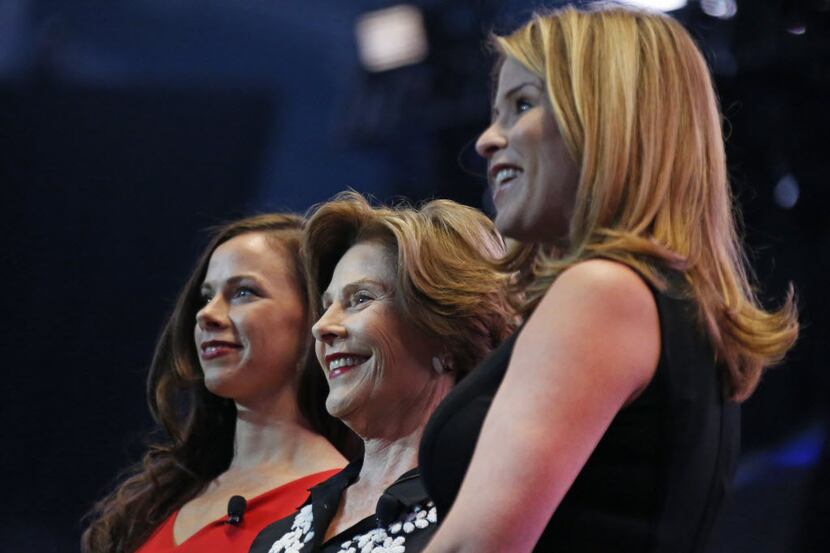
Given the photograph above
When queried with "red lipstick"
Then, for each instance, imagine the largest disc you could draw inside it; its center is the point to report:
(342, 362)
(213, 349)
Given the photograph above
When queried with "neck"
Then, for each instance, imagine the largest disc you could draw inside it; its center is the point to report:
(385, 460)
(392, 449)
(270, 432)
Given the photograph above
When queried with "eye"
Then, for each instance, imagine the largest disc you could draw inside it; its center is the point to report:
(522, 105)
(244, 292)
(204, 298)
(360, 298)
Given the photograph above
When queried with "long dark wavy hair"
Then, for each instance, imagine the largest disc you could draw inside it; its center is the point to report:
(194, 442)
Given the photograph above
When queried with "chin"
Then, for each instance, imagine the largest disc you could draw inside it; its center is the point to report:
(336, 407)
(510, 229)
(219, 387)
(507, 222)
(521, 230)
(220, 382)
(342, 408)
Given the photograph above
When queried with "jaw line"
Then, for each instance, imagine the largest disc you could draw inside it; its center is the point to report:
(347, 405)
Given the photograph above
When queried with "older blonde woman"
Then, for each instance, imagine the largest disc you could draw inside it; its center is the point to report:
(411, 301)
(615, 421)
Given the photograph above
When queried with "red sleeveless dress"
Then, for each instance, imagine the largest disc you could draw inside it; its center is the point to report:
(218, 536)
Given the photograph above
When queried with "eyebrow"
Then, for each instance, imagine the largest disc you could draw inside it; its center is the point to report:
(236, 279)
(357, 284)
(520, 86)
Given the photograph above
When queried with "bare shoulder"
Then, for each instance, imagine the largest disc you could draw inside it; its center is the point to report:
(602, 292)
(608, 284)
(603, 314)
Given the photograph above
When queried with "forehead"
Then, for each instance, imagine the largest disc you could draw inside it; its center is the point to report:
(370, 260)
(247, 253)
(513, 74)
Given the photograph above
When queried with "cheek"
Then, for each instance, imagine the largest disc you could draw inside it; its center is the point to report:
(552, 163)
(271, 315)
(382, 335)
(399, 352)
(532, 145)
(264, 330)
(384, 348)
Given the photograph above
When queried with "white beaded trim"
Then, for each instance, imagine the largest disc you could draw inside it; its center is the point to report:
(299, 535)
(377, 540)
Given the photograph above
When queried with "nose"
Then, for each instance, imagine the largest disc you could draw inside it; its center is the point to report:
(491, 141)
(329, 327)
(213, 315)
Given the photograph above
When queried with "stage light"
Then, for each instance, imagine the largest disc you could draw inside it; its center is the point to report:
(391, 38)
(657, 5)
(722, 9)
(786, 191)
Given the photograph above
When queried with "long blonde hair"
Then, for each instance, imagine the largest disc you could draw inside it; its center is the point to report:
(636, 107)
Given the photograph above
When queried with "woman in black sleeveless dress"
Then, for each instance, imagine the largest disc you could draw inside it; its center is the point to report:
(610, 421)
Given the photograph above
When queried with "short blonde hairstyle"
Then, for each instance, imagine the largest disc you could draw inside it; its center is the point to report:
(447, 276)
(636, 107)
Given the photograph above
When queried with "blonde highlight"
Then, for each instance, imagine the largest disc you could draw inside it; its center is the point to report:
(636, 106)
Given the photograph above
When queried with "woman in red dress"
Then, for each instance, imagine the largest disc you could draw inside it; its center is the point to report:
(238, 398)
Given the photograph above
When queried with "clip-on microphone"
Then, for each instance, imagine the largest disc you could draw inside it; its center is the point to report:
(236, 509)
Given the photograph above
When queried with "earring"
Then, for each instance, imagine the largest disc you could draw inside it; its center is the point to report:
(438, 365)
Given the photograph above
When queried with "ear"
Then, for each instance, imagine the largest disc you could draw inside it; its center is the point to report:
(442, 363)
(438, 365)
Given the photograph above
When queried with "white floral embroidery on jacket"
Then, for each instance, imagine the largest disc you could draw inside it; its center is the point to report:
(391, 539)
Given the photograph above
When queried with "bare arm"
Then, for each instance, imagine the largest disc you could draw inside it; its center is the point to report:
(591, 346)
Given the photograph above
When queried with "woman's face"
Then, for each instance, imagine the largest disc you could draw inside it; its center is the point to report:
(532, 176)
(377, 363)
(251, 329)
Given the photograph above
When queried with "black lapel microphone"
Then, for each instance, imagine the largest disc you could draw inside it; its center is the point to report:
(236, 510)
(388, 509)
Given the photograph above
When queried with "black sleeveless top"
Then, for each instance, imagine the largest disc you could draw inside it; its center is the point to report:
(658, 476)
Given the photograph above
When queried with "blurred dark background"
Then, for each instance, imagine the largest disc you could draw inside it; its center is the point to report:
(126, 128)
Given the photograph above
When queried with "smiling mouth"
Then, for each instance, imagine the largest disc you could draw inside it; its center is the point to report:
(215, 348)
(502, 176)
(339, 364)
(505, 175)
